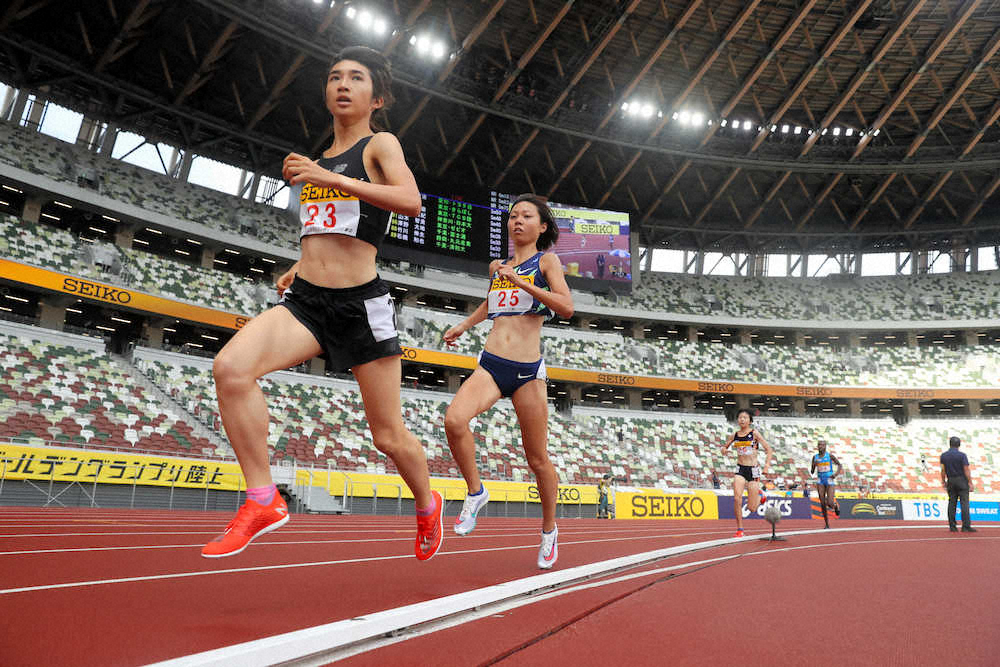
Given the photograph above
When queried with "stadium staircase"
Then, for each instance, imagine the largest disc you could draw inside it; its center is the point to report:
(199, 427)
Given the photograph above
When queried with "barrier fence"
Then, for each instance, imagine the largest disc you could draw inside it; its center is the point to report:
(55, 476)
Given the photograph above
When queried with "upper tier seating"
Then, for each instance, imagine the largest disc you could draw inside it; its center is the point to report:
(923, 366)
(946, 296)
(894, 366)
(53, 248)
(938, 296)
(127, 183)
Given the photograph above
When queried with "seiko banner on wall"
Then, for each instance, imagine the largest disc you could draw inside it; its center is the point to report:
(790, 508)
(870, 508)
(655, 504)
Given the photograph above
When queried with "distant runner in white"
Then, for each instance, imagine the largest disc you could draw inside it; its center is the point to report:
(525, 290)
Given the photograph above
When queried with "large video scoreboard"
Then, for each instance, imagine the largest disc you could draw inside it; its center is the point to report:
(451, 233)
(466, 232)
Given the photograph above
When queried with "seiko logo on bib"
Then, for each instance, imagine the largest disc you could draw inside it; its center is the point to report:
(312, 193)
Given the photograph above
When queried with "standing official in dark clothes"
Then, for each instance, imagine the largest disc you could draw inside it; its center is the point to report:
(957, 479)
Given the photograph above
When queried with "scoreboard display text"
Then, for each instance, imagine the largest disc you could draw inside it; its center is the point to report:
(473, 231)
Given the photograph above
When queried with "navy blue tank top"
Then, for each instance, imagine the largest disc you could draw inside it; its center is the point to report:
(329, 211)
(505, 298)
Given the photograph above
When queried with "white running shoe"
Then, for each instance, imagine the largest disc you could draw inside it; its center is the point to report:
(466, 520)
(549, 551)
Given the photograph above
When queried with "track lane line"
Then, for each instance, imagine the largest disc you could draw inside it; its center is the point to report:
(318, 645)
(201, 573)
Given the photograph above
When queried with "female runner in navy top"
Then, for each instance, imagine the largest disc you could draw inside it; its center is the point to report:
(524, 291)
(332, 302)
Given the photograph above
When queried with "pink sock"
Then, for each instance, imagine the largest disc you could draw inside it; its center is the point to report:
(426, 511)
(262, 495)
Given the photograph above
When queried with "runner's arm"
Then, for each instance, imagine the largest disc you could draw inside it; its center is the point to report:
(768, 454)
(557, 297)
(836, 463)
(397, 192)
(477, 316)
(285, 281)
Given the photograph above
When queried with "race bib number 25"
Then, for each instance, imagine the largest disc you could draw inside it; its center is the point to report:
(505, 297)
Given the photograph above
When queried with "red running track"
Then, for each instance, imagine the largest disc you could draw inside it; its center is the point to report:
(120, 587)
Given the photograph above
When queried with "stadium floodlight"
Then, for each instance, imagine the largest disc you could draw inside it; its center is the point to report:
(365, 19)
(784, 129)
(647, 111)
(876, 132)
(675, 116)
(429, 47)
(798, 129)
(836, 131)
(685, 117)
(848, 132)
(747, 125)
(722, 123)
(351, 13)
(379, 26)
(624, 106)
(697, 119)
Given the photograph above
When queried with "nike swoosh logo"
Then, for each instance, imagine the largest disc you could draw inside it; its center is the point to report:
(524, 377)
(281, 510)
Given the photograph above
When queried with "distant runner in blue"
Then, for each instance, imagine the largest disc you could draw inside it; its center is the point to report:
(822, 466)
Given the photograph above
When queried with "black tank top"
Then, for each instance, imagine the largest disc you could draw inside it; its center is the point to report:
(329, 211)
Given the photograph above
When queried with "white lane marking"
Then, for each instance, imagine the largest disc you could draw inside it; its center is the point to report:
(300, 542)
(499, 608)
(408, 528)
(180, 575)
(324, 641)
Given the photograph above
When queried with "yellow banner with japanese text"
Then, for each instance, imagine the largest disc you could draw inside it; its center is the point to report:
(23, 462)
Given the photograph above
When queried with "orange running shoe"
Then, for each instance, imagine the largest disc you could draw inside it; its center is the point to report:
(430, 530)
(252, 520)
(739, 533)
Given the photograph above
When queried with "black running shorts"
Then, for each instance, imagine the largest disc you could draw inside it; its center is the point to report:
(353, 325)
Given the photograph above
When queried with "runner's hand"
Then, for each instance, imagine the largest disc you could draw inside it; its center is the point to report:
(285, 281)
(300, 169)
(507, 271)
(452, 334)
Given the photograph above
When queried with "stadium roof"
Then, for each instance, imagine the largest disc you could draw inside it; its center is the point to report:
(861, 125)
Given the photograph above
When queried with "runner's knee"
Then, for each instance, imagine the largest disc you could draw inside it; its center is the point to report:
(539, 463)
(393, 440)
(455, 424)
(229, 373)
